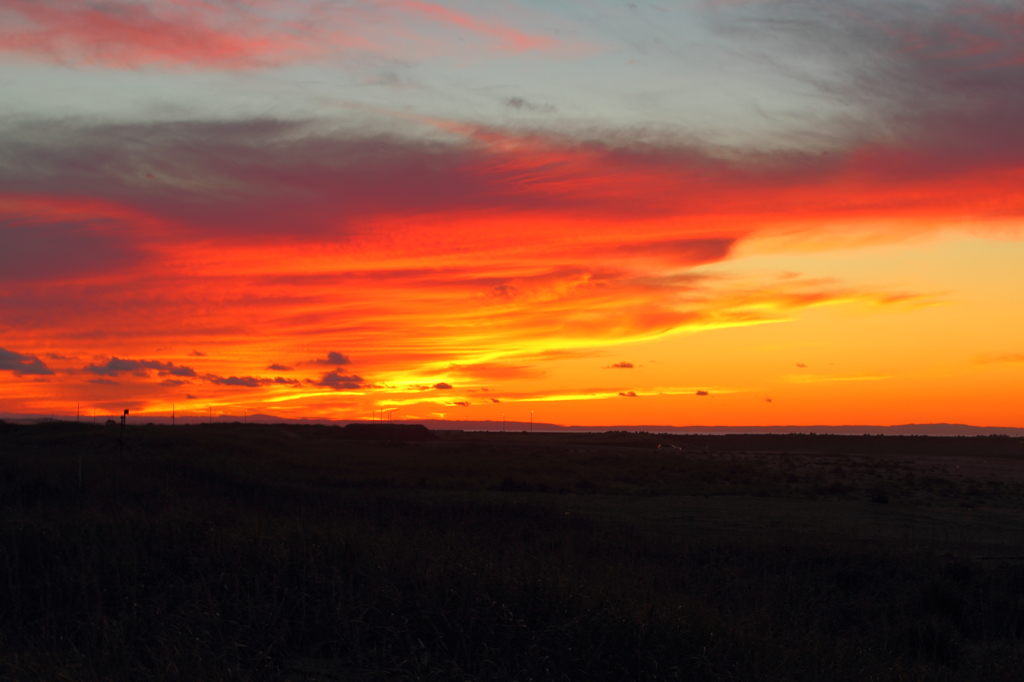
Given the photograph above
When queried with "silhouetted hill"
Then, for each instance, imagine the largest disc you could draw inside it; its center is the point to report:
(399, 432)
(511, 426)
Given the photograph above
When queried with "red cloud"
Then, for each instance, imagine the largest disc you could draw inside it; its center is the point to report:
(227, 34)
(129, 35)
(507, 38)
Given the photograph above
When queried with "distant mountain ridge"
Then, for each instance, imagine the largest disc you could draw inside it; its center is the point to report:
(487, 425)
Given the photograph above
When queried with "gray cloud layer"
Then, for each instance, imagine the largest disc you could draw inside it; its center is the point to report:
(116, 366)
(21, 365)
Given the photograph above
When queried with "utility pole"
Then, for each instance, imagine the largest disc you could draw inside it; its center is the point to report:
(124, 417)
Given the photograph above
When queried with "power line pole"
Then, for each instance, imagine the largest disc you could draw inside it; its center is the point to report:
(124, 417)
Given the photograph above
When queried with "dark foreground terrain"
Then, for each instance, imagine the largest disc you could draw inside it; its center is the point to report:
(249, 552)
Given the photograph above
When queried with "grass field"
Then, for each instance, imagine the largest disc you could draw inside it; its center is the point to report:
(250, 552)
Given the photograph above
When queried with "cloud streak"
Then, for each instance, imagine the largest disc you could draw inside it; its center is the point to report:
(243, 34)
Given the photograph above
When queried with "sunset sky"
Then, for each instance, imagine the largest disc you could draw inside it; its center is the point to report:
(727, 212)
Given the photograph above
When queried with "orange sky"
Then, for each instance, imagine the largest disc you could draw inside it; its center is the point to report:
(260, 208)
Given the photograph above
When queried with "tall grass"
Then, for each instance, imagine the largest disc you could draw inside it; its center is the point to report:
(219, 560)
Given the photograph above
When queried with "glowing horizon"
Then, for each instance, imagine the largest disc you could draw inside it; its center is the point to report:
(730, 213)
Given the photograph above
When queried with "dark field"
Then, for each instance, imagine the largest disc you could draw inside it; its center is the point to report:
(248, 552)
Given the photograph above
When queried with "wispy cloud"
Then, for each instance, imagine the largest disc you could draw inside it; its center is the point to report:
(245, 34)
(122, 34)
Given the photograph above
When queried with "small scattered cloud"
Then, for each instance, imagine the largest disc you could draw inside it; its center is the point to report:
(389, 78)
(103, 382)
(504, 291)
(800, 364)
(628, 394)
(620, 365)
(197, 354)
(523, 104)
(58, 356)
(702, 393)
(189, 396)
(495, 400)
(115, 365)
(22, 364)
(459, 403)
(170, 382)
(334, 359)
(279, 368)
(339, 381)
(442, 386)
(247, 381)
(251, 381)
(767, 399)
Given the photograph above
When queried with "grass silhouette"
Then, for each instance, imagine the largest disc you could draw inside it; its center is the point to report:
(232, 552)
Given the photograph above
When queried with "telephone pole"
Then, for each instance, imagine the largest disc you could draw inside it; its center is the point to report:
(124, 417)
